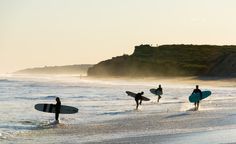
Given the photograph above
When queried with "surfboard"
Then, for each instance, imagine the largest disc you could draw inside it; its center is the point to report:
(155, 92)
(196, 96)
(129, 93)
(50, 108)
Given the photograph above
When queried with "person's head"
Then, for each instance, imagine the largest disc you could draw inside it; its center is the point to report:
(58, 99)
(196, 86)
(142, 92)
(159, 86)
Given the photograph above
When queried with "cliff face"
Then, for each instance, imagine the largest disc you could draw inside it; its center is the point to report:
(171, 60)
(225, 67)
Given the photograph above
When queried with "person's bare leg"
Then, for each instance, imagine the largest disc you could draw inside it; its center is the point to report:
(136, 105)
(197, 105)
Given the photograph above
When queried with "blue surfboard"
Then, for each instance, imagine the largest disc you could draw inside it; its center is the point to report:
(196, 96)
(155, 92)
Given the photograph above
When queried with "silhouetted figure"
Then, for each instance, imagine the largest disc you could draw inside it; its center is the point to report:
(159, 92)
(57, 109)
(138, 99)
(197, 90)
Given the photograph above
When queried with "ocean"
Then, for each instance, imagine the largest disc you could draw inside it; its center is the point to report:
(99, 101)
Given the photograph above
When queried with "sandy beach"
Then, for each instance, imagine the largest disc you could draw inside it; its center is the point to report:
(188, 127)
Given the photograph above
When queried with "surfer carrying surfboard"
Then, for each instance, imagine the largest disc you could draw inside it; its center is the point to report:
(159, 92)
(197, 90)
(57, 109)
(138, 99)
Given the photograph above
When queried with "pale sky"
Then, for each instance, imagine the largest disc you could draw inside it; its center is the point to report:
(36, 33)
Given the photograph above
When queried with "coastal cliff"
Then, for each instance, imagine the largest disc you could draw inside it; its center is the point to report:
(171, 60)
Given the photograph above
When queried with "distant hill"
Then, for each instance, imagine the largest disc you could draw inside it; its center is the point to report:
(171, 60)
(68, 69)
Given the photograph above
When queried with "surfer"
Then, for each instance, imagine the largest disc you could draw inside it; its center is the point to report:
(197, 90)
(138, 99)
(159, 92)
(57, 109)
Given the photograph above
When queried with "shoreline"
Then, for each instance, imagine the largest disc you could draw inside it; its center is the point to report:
(207, 78)
(141, 127)
(151, 81)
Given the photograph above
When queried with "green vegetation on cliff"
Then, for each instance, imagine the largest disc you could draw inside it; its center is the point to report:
(69, 69)
(171, 60)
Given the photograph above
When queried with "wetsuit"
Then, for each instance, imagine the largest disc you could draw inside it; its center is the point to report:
(197, 103)
(137, 98)
(159, 96)
(57, 109)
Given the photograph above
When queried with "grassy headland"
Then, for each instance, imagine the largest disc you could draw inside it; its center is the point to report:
(171, 60)
(69, 69)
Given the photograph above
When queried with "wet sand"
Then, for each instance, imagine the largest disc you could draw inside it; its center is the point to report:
(215, 122)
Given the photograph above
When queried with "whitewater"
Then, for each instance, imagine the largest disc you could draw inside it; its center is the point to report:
(107, 115)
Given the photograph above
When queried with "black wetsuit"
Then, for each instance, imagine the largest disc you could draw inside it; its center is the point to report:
(159, 89)
(57, 109)
(159, 96)
(198, 91)
(197, 103)
(137, 98)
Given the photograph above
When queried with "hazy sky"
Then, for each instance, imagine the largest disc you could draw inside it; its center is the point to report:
(59, 32)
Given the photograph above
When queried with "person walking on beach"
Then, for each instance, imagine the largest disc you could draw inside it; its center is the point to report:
(57, 109)
(197, 90)
(159, 92)
(138, 99)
